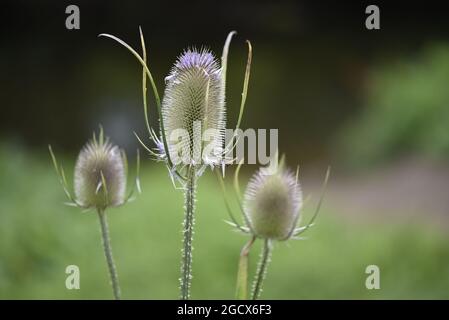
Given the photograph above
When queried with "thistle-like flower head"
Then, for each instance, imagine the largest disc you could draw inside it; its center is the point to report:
(100, 175)
(192, 115)
(272, 202)
(194, 106)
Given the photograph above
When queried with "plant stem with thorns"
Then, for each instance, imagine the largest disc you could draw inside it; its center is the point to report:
(189, 221)
(108, 253)
(262, 269)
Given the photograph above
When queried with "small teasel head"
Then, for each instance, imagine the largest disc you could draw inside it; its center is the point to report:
(100, 175)
(194, 105)
(272, 202)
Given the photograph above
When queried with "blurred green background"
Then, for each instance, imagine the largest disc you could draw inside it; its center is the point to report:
(372, 104)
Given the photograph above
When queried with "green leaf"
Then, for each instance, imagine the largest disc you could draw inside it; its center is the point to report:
(242, 273)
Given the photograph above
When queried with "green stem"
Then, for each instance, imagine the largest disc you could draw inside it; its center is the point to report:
(242, 273)
(108, 253)
(262, 269)
(189, 221)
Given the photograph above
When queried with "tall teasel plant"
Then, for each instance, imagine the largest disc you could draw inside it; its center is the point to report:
(271, 211)
(100, 176)
(193, 106)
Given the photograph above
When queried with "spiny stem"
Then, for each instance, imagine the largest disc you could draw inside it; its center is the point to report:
(108, 253)
(189, 221)
(242, 273)
(261, 269)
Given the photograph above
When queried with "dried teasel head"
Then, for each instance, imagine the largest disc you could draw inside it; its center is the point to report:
(272, 203)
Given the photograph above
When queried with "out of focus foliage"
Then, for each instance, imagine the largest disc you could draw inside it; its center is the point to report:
(40, 237)
(406, 112)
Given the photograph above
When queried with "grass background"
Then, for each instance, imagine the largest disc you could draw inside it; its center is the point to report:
(40, 237)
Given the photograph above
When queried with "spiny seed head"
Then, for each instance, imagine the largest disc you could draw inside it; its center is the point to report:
(100, 175)
(272, 203)
(194, 101)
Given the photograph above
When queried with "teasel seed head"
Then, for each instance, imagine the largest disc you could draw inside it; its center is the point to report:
(100, 175)
(272, 202)
(194, 101)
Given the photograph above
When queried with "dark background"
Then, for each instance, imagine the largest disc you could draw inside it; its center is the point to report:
(311, 61)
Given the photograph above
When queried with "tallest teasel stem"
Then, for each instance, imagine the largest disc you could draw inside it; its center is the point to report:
(108, 253)
(189, 221)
